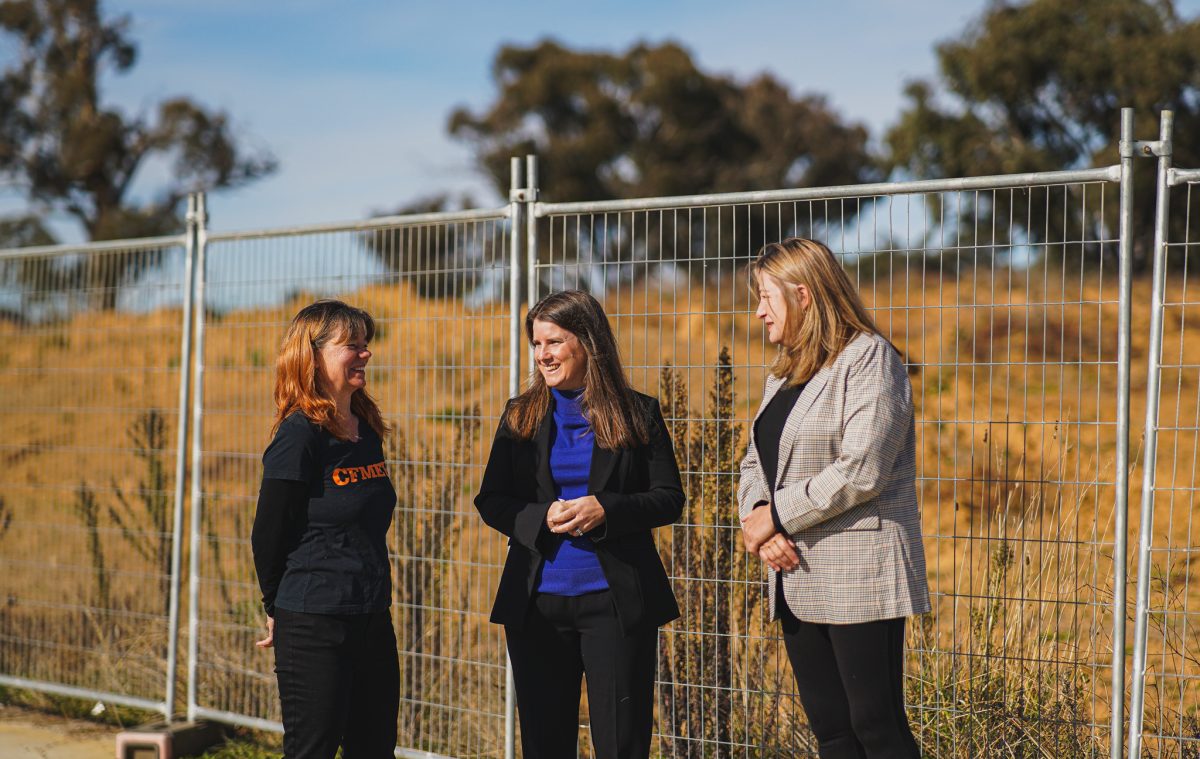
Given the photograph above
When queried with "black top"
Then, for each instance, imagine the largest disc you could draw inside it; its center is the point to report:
(325, 546)
(767, 432)
(279, 521)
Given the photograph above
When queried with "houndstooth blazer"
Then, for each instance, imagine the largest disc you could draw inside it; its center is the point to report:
(846, 490)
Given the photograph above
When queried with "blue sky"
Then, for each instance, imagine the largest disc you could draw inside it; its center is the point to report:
(352, 98)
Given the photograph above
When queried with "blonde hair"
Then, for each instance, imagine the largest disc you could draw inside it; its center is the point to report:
(815, 335)
(296, 384)
(608, 402)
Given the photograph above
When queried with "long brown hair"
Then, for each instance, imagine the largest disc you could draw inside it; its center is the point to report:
(812, 336)
(616, 419)
(296, 384)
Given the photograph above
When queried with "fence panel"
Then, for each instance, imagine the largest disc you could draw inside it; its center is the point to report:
(90, 346)
(437, 289)
(1004, 300)
(1168, 677)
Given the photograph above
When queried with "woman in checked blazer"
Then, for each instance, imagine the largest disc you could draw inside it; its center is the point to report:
(828, 501)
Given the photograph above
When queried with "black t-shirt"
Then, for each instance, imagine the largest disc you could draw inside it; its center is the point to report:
(340, 565)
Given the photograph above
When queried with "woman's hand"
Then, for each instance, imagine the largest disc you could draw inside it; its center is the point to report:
(576, 516)
(554, 516)
(779, 552)
(268, 641)
(757, 528)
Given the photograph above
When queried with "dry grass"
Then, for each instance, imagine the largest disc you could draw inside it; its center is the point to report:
(1014, 382)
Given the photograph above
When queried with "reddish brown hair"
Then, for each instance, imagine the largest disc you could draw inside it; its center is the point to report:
(296, 384)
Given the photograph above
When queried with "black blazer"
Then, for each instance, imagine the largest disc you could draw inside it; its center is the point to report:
(639, 489)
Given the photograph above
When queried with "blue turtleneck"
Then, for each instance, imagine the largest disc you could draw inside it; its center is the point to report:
(571, 568)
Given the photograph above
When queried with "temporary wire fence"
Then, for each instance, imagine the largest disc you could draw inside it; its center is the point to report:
(1004, 301)
(1166, 679)
(1010, 298)
(91, 354)
(440, 371)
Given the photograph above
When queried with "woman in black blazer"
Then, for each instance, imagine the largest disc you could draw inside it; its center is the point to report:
(581, 470)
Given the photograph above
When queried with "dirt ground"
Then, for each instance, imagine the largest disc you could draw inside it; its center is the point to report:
(26, 734)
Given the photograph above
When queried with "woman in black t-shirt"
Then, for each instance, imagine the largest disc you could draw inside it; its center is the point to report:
(320, 542)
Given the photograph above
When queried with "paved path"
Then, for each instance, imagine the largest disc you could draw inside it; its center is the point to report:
(32, 735)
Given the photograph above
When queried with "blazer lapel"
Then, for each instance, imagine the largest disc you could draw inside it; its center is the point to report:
(603, 461)
(772, 386)
(791, 428)
(541, 439)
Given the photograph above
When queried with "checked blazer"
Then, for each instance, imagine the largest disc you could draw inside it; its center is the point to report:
(846, 490)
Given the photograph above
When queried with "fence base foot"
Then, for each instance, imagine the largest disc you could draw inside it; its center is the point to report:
(160, 740)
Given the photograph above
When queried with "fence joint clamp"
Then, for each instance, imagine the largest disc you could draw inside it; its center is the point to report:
(523, 195)
(1148, 148)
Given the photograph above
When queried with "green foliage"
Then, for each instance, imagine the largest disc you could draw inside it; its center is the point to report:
(149, 511)
(243, 748)
(437, 261)
(72, 152)
(87, 508)
(696, 721)
(24, 231)
(428, 480)
(1038, 86)
(76, 708)
(6, 517)
(999, 698)
(649, 122)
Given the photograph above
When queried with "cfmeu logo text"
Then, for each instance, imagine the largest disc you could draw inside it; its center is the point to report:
(346, 475)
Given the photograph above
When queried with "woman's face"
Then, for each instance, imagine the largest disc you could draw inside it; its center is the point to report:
(773, 307)
(344, 365)
(559, 356)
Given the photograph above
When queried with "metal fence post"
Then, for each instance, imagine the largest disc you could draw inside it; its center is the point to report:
(531, 182)
(181, 444)
(201, 241)
(516, 207)
(1145, 534)
(1121, 516)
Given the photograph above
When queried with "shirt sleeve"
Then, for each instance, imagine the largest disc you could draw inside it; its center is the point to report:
(278, 524)
(292, 455)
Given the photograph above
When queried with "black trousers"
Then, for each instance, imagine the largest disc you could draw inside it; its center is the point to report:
(339, 684)
(850, 679)
(563, 638)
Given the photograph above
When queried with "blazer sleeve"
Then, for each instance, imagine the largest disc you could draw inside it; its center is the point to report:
(661, 504)
(877, 418)
(501, 502)
(752, 488)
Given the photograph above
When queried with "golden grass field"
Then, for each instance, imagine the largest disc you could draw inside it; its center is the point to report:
(1015, 386)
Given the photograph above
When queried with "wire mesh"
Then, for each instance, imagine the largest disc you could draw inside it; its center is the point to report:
(1003, 300)
(90, 341)
(439, 373)
(1004, 304)
(1172, 685)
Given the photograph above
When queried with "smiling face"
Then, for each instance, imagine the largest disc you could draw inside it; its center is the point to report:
(343, 365)
(559, 356)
